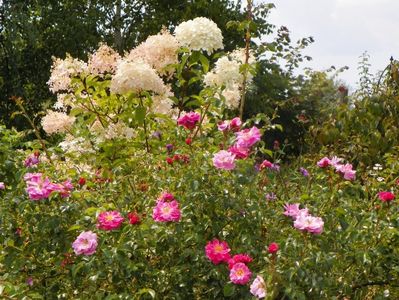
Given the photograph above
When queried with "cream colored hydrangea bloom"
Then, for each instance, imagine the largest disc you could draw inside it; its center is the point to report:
(200, 34)
(135, 77)
(158, 51)
(57, 122)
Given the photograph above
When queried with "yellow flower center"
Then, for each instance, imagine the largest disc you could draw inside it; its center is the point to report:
(109, 217)
(166, 210)
(218, 248)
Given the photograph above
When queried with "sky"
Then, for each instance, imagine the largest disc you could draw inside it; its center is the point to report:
(343, 30)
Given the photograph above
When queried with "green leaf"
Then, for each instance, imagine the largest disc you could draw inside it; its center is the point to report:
(228, 290)
(140, 114)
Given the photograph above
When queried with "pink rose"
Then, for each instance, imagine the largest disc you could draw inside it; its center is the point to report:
(240, 153)
(386, 196)
(248, 137)
(166, 211)
(217, 251)
(224, 160)
(189, 120)
(235, 124)
(109, 220)
(324, 162)
(85, 243)
(258, 287)
(240, 274)
(309, 223)
(273, 248)
(239, 258)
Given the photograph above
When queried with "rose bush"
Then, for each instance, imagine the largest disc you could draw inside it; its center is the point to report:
(123, 207)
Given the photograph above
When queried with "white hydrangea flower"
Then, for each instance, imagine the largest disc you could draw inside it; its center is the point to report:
(73, 144)
(117, 130)
(158, 51)
(226, 73)
(57, 122)
(61, 72)
(227, 70)
(103, 61)
(232, 97)
(200, 34)
(63, 101)
(136, 77)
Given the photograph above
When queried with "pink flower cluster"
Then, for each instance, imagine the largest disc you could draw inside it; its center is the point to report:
(245, 139)
(32, 160)
(39, 188)
(2, 186)
(346, 170)
(219, 252)
(85, 243)
(233, 125)
(303, 220)
(189, 120)
(166, 209)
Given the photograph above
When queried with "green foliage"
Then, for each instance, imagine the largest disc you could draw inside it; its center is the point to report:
(365, 128)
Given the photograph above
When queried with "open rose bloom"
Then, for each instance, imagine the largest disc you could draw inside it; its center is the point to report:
(109, 220)
(85, 243)
(217, 251)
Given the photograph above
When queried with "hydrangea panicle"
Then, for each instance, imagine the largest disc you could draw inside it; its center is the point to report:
(199, 34)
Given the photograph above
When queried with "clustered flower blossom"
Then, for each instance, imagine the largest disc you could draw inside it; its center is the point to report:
(103, 61)
(85, 243)
(109, 220)
(159, 51)
(136, 77)
(219, 252)
(303, 220)
(386, 196)
(226, 76)
(57, 122)
(189, 120)
(62, 71)
(199, 34)
(166, 209)
(346, 170)
(32, 160)
(2, 185)
(245, 139)
(39, 188)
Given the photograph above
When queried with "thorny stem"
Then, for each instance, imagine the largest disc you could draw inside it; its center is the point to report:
(247, 44)
(18, 101)
(201, 121)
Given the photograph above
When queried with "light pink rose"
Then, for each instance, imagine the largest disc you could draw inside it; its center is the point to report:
(85, 243)
(240, 274)
(224, 160)
(166, 211)
(258, 287)
(109, 220)
(248, 137)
